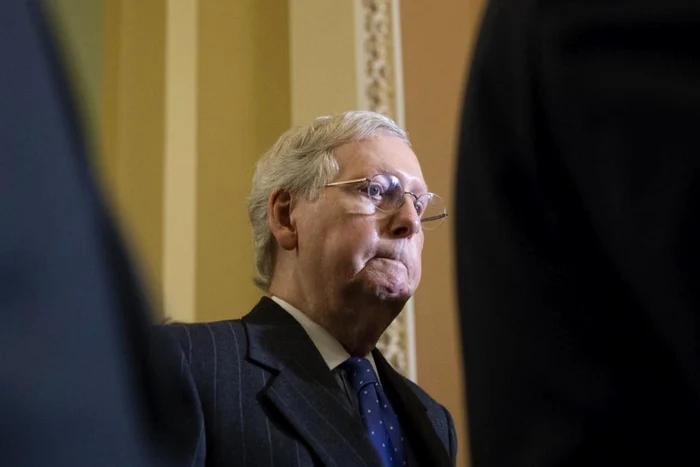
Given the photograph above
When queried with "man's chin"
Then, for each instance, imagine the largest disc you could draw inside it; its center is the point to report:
(391, 291)
(382, 289)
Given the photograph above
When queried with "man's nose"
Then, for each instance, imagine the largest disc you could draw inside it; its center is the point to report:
(405, 220)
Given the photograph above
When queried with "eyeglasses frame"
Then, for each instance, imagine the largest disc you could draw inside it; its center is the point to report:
(415, 196)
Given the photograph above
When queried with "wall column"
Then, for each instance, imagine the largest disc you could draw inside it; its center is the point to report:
(243, 107)
(132, 127)
(180, 168)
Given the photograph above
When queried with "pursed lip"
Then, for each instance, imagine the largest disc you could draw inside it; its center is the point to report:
(390, 256)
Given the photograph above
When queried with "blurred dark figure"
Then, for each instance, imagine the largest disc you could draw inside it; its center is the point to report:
(578, 234)
(75, 389)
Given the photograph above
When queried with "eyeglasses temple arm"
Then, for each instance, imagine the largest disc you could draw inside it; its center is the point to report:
(347, 182)
(434, 218)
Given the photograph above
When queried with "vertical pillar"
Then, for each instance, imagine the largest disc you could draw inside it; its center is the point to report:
(180, 166)
(132, 126)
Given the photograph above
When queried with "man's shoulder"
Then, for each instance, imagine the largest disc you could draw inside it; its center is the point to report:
(425, 398)
(438, 413)
(439, 416)
(193, 338)
(213, 329)
(433, 407)
(177, 327)
(191, 333)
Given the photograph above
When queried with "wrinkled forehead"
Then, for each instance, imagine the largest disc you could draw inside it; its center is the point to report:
(383, 154)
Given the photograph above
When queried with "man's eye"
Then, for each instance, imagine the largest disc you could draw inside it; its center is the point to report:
(420, 207)
(374, 190)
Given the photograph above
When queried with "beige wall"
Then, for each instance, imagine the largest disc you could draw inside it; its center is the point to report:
(181, 126)
(80, 27)
(131, 126)
(323, 69)
(437, 42)
(244, 105)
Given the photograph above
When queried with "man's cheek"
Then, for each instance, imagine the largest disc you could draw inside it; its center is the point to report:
(417, 268)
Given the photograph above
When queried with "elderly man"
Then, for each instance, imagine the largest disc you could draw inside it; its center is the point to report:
(338, 210)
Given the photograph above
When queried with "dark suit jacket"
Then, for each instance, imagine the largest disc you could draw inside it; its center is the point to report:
(261, 394)
(74, 390)
(578, 234)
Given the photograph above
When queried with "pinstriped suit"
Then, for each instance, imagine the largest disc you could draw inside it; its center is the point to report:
(261, 395)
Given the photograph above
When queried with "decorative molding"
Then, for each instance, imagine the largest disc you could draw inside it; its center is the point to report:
(378, 47)
(394, 343)
(380, 89)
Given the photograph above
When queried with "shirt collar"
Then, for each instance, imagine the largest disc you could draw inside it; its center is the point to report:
(333, 353)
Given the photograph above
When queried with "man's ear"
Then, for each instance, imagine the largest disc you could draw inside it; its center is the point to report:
(279, 210)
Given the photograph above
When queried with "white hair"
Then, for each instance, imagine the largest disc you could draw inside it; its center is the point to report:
(302, 162)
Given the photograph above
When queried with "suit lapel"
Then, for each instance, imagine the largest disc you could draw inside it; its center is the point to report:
(304, 390)
(415, 424)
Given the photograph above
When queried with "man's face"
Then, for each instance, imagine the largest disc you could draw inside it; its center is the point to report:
(349, 251)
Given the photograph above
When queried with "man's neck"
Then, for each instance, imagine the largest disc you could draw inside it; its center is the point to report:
(357, 326)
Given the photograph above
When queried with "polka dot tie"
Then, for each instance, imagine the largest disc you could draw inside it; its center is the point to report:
(379, 418)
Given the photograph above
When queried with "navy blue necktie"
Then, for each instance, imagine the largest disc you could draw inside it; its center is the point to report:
(379, 418)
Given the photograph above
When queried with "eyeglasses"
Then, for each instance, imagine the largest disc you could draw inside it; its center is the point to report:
(387, 194)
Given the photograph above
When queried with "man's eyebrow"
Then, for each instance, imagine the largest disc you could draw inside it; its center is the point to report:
(399, 175)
